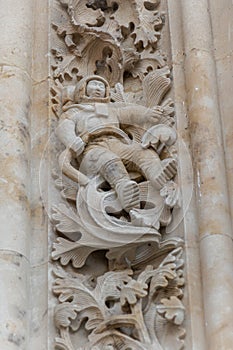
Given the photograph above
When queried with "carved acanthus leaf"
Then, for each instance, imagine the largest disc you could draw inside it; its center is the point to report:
(159, 277)
(65, 313)
(172, 309)
(82, 15)
(145, 20)
(109, 286)
(132, 292)
(68, 251)
(83, 305)
(87, 304)
(66, 68)
(66, 219)
(81, 302)
(107, 62)
(144, 66)
(149, 61)
(147, 31)
(174, 263)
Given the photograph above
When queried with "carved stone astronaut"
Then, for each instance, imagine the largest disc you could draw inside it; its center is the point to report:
(93, 128)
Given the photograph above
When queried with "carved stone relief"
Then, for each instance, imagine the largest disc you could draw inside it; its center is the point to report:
(117, 176)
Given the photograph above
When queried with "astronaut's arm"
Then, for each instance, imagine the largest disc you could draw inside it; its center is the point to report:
(67, 135)
(139, 115)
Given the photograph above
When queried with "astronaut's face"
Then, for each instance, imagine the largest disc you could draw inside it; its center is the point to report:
(95, 88)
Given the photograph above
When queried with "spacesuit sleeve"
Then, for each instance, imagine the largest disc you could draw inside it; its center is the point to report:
(66, 132)
(138, 115)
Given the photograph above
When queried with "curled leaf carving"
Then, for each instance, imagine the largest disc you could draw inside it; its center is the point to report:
(172, 309)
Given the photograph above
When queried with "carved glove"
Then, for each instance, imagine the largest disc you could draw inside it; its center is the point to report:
(78, 146)
(157, 112)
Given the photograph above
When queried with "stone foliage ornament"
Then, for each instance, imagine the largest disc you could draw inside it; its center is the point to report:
(121, 311)
(117, 179)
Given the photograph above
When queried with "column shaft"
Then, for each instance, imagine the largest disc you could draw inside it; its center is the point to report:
(15, 91)
(195, 339)
(209, 167)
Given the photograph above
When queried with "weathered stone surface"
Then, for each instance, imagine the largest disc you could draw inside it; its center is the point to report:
(15, 160)
(14, 269)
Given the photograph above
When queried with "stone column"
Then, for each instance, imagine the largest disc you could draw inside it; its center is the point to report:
(195, 338)
(222, 27)
(39, 289)
(209, 167)
(15, 85)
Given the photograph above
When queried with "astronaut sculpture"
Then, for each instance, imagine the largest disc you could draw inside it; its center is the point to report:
(117, 170)
(94, 130)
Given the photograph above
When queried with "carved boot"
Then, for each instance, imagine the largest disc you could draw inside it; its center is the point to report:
(128, 194)
(127, 190)
(167, 172)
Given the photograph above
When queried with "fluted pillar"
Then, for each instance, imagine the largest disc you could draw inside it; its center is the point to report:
(16, 27)
(215, 232)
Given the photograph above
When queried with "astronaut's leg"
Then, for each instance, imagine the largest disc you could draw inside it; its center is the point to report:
(127, 190)
(149, 164)
(100, 160)
(158, 171)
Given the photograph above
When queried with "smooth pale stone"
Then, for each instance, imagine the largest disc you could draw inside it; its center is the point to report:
(14, 300)
(195, 26)
(208, 154)
(39, 308)
(194, 324)
(225, 82)
(16, 28)
(39, 255)
(221, 21)
(39, 174)
(217, 263)
(40, 65)
(15, 161)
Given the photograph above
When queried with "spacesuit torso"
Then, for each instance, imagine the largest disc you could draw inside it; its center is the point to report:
(89, 118)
